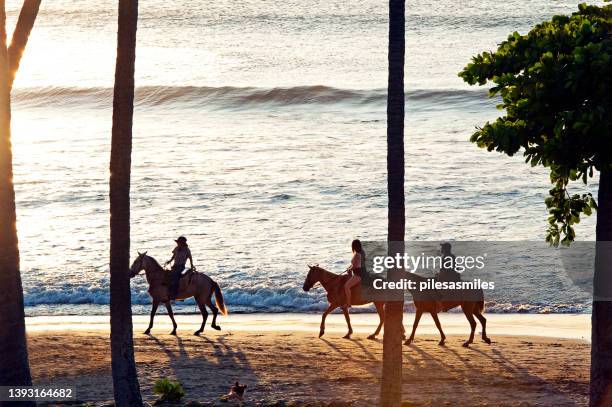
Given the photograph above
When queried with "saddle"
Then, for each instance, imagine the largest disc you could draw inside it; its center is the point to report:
(343, 280)
(188, 273)
(356, 297)
(446, 300)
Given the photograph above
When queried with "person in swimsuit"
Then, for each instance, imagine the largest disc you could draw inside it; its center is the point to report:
(180, 255)
(355, 270)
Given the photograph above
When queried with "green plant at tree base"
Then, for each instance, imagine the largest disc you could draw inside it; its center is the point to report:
(168, 391)
(555, 88)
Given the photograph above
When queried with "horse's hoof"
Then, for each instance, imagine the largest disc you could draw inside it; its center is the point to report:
(147, 332)
(173, 333)
(466, 344)
(347, 336)
(408, 342)
(321, 333)
(487, 341)
(372, 337)
(197, 333)
(217, 327)
(441, 343)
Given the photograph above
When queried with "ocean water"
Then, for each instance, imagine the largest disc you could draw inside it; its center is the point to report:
(259, 134)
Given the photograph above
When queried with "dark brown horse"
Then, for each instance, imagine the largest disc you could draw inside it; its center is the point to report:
(334, 285)
(424, 302)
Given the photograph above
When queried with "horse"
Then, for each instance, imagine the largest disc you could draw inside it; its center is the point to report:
(334, 285)
(433, 306)
(198, 285)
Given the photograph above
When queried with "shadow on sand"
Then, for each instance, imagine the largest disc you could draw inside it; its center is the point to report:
(205, 367)
(461, 367)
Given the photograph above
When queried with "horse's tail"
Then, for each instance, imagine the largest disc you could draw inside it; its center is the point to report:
(219, 298)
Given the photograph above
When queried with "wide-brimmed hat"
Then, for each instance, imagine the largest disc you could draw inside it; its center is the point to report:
(181, 239)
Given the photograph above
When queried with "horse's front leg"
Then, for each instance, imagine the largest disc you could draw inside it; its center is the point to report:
(153, 311)
(345, 311)
(325, 314)
(171, 314)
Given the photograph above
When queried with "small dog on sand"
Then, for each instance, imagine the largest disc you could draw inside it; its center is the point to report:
(235, 393)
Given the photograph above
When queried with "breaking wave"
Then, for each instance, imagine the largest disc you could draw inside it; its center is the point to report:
(239, 97)
(250, 300)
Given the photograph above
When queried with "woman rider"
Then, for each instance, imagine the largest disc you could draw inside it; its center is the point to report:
(355, 270)
(180, 255)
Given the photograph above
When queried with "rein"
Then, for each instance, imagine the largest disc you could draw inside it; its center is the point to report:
(162, 268)
(143, 268)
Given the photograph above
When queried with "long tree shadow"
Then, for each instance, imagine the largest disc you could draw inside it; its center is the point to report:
(450, 364)
(445, 373)
(351, 355)
(522, 372)
(199, 362)
(369, 355)
(433, 363)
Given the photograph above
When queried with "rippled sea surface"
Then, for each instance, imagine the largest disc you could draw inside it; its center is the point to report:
(259, 134)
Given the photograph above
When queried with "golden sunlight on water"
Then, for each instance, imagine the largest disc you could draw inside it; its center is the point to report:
(260, 134)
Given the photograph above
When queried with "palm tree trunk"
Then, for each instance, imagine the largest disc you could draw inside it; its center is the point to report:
(25, 22)
(14, 369)
(125, 380)
(391, 383)
(601, 318)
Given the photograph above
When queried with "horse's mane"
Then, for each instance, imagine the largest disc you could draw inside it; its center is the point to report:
(155, 262)
(327, 271)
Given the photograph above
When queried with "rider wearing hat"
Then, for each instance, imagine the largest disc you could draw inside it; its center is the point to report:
(447, 269)
(180, 255)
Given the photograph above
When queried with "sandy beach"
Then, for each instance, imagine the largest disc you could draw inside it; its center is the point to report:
(534, 360)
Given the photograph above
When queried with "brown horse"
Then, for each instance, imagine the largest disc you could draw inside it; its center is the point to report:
(425, 302)
(198, 285)
(334, 285)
